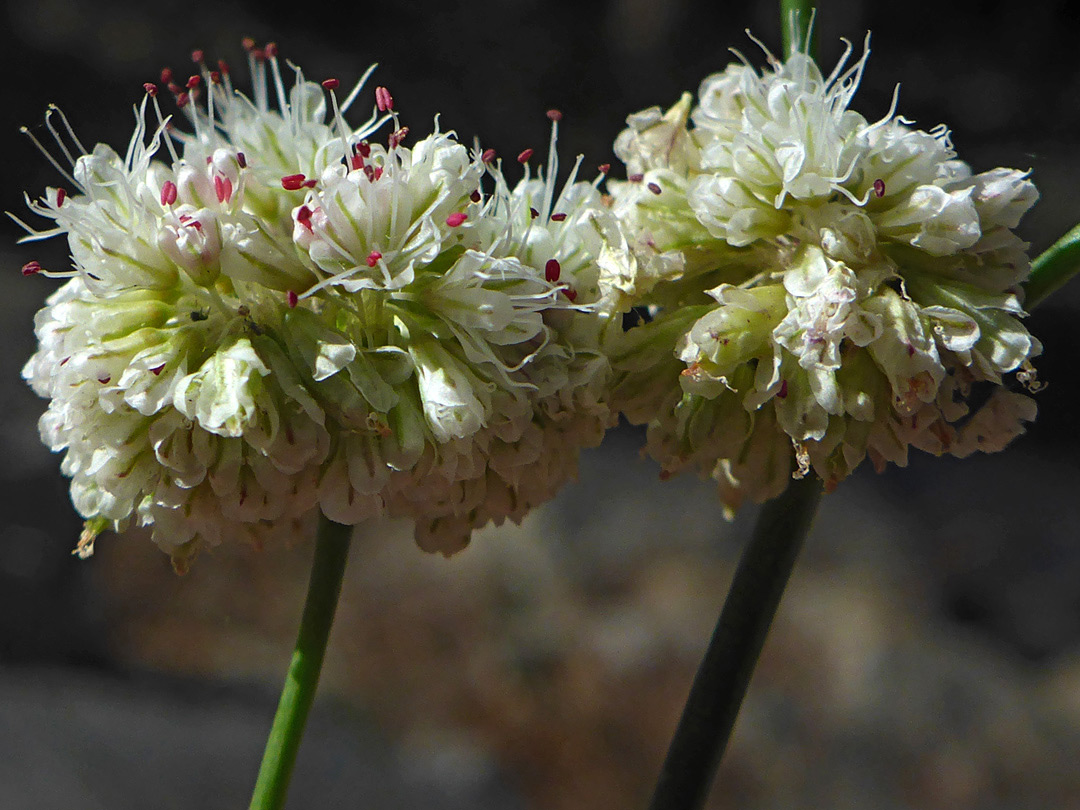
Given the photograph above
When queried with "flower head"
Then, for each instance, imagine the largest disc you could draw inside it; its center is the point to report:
(839, 286)
(286, 315)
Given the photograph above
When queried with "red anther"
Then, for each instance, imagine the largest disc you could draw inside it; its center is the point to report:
(552, 270)
(554, 115)
(310, 183)
(193, 82)
(259, 54)
(475, 196)
(270, 50)
(104, 380)
(248, 44)
(456, 219)
(65, 360)
(303, 216)
(197, 56)
(604, 168)
(156, 370)
(292, 182)
(243, 310)
(570, 293)
(364, 148)
(209, 160)
(373, 258)
(182, 100)
(293, 299)
(377, 173)
(356, 162)
(61, 195)
(174, 88)
(330, 84)
(525, 155)
(636, 178)
(488, 156)
(30, 268)
(383, 100)
(223, 66)
(241, 160)
(223, 187)
(558, 217)
(369, 173)
(150, 88)
(533, 213)
(879, 188)
(397, 137)
(166, 75)
(168, 193)
(654, 188)
(782, 393)
(215, 77)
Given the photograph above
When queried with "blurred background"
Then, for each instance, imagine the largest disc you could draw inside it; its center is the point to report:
(926, 655)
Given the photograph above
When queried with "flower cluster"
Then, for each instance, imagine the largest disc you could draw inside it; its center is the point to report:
(284, 316)
(821, 288)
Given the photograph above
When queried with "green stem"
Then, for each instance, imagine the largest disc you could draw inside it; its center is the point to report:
(1055, 266)
(721, 681)
(331, 554)
(796, 35)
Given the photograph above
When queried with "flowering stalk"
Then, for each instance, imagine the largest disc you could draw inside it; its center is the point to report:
(1055, 266)
(722, 678)
(331, 554)
(796, 17)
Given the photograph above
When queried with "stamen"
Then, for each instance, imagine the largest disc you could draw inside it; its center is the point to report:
(182, 100)
(293, 299)
(456, 219)
(488, 156)
(150, 88)
(156, 370)
(197, 56)
(558, 217)
(533, 213)
(552, 270)
(349, 99)
(636, 178)
(56, 164)
(383, 100)
(303, 216)
(241, 160)
(56, 136)
(292, 182)
(525, 155)
(61, 195)
(782, 393)
(604, 168)
(879, 188)
(654, 188)
(168, 193)
(475, 196)
(166, 76)
(570, 293)
(554, 115)
(193, 82)
(31, 268)
(397, 137)
(223, 187)
(330, 84)
(373, 258)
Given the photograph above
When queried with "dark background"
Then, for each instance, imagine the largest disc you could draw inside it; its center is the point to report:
(966, 575)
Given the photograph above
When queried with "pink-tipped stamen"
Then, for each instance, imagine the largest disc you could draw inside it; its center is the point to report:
(879, 188)
(604, 168)
(456, 219)
(373, 258)
(168, 193)
(488, 156)
(552, 270)
(293, 299)
(31, 268)
(150, 88)
(383, 100)
(524, 156)
(292, 182)
(330, 84)
(558, 217)
(554, 115)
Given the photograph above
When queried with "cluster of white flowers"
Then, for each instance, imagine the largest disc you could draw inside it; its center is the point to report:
(284, 316)
(287, 316)
(822, 288)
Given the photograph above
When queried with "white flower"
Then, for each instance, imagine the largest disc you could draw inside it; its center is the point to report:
(862, 280)
(285, 316)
